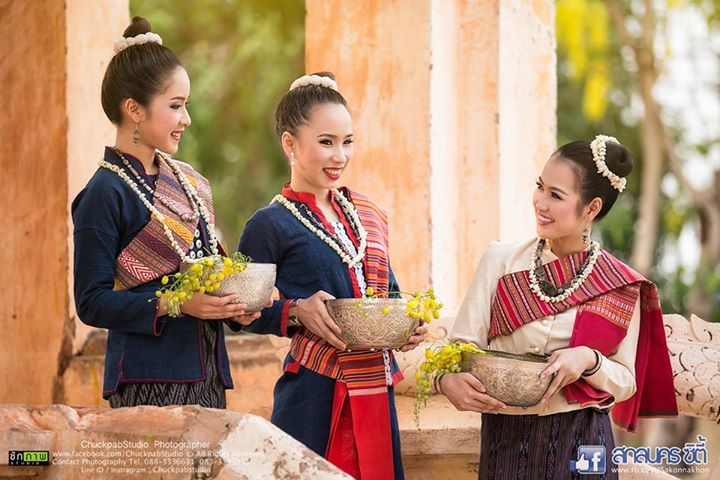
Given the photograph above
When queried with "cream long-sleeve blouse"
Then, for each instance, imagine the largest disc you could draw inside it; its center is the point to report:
(541, 337)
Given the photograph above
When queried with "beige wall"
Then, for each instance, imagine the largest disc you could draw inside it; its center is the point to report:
(448, 149)
(92, 27)
(380, 52)
(33, 196)
(52, 130)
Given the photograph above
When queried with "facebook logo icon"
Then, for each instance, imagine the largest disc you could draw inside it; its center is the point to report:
(590, 460)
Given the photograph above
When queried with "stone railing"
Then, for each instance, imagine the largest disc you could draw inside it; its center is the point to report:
(694, 347)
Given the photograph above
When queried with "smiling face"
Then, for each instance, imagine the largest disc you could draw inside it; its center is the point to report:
(165, 118)
(558, 214)
(321, 149)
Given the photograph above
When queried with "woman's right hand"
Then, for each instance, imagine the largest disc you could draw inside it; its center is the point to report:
(207, 307)
(467, 393)
(314, 316)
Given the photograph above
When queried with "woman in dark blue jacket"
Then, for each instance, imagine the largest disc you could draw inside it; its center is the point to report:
(328, 242)
(139, 216)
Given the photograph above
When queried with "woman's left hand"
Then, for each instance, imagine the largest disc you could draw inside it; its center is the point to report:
(417, 339)
(246, 319)
(567, 365)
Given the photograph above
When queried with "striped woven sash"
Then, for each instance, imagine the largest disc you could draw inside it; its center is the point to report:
(610, 291)
(360, 439)
(150, 254)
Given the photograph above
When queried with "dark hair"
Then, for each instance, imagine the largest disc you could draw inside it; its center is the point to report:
(138, 72)
(295, 106)
(591, 184)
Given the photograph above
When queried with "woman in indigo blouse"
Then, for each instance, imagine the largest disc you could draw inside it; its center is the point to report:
(328, 242)
(137, 218)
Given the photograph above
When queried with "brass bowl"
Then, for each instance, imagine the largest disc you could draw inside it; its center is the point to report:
(512, 379)
(365, 326)
(253, 286)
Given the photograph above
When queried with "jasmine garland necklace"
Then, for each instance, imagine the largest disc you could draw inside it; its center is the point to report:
(189, 191)
(544, 289)
(349, 209)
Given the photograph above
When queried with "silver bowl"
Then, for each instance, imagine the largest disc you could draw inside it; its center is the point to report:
(365, 326)
(512, 379)
(253, 286)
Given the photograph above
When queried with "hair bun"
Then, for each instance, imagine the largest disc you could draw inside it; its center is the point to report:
(618, 159)
(137, 26)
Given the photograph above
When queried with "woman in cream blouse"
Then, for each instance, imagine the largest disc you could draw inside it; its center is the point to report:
(560, 295)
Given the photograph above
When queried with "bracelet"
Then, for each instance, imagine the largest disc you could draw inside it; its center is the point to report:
(436, 383)
(596, 367)
(293, 320)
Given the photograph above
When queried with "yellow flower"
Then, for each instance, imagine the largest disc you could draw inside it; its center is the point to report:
(227, 262)
(385, 310)
(158, 294)
(369, 291)
(208, 262)
(429, 354)
(165, 280)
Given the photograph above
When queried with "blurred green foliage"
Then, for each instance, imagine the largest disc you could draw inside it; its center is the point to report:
(617, 230)
(241, 56)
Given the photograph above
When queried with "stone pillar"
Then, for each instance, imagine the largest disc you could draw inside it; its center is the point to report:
(53, 54)
(445, 146)
(453, 104)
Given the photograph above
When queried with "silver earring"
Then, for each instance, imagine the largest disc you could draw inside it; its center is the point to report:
(292, 158)
(586, 236)
(136, 136)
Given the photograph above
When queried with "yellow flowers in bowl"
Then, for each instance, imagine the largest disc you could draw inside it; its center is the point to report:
(438, 361)
(379, 322)
(206, 275)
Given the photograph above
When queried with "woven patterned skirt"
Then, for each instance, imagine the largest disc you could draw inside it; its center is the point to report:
(532, 447)
(207, 393)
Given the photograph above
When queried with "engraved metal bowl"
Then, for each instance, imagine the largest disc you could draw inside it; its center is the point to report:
(512, 379)
(253, 286)
(365, 326)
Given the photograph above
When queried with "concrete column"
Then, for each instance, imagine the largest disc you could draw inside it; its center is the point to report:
(454, 113)
(51, 133)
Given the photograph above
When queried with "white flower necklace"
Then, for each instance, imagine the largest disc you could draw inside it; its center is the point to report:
(566, 291)
(348, 208)
(191, 193)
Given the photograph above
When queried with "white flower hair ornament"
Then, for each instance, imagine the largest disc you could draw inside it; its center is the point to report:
(599, 149)
(126, 42)
(317, 80)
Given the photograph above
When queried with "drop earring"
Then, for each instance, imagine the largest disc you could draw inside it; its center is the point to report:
(292, 158)
(136, 136)
(586, 236)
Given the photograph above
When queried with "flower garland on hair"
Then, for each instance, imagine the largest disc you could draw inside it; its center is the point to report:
(599, 149)
(141, 39)
(348, 208)
(316, 80)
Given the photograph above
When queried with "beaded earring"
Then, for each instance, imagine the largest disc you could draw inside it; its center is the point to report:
(586, 236)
